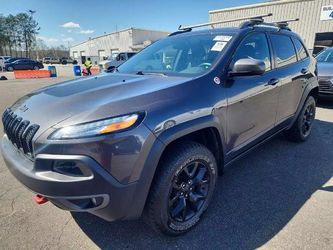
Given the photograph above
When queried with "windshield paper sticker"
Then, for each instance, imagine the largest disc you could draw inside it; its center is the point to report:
(222, 38)
(218, 46)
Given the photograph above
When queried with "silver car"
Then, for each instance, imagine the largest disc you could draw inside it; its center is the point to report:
(112, 62)
(325, 72)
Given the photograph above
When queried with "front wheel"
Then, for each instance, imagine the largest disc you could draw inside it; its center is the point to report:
(36, 68)
(10, 68)
(302, 127)
(182, 189)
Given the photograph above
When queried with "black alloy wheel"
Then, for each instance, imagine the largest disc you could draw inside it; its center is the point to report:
(302, 127)
(182, 189)
(308, 118)
(189, 191)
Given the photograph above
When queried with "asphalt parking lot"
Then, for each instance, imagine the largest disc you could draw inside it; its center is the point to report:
(278, 197)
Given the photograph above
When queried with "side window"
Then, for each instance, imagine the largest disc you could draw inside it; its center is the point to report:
(129, 55)
(122, 57)
(284, 50)
(301, 51)
(256, 47)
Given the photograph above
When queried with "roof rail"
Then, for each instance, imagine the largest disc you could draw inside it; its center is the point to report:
(190, 27)
(282, 24)
(180, 31)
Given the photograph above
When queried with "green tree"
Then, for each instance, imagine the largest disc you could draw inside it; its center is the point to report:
(11, 24)
(3, 35)
(27, 29)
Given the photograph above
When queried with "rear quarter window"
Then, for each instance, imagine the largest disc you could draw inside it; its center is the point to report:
(284, 50)
(300, 49)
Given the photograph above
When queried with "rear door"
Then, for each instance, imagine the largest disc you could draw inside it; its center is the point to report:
(305, 65)
(252, 100)
(28, 64)
(289, 73)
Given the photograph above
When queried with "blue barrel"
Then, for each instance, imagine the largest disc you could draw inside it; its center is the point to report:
(52, 70)
(77, 70)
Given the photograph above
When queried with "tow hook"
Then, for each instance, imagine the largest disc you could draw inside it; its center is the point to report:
(40, 199)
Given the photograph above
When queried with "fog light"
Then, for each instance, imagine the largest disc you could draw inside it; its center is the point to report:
(67, 168)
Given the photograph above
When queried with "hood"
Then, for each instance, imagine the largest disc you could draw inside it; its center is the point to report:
(325, 69)
(109, 63)
(104, 62)
(92, 98)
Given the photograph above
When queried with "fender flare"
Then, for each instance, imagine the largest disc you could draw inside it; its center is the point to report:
(162, 141)
(309, 87)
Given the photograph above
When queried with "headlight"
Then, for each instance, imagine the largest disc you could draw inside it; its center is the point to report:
(95, 128)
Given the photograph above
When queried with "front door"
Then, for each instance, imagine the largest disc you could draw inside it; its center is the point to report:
(252, 100)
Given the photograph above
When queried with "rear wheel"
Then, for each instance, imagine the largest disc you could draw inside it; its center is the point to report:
(182, 189)
(110, 69)
(302, 127)
(10, 68)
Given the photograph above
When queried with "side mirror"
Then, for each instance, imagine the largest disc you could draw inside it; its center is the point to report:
(248, 67)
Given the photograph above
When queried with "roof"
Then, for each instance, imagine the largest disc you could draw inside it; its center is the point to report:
(251, 6)
(214, 31)
(235, 30)
(119, 31)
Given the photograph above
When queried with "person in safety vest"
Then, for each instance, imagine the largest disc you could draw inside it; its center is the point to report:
(88, 65)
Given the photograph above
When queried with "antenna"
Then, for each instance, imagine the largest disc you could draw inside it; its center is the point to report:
(190, 27)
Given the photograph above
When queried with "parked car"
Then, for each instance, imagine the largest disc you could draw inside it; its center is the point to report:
(152, 142)
(23, 64)
(111, 63)
(66, 60)
(13, 59)
(51, 60)
(325, 72)
(2, 61)
(4, 58)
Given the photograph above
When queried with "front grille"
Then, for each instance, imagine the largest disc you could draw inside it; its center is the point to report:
(326, 86)
(19, 131)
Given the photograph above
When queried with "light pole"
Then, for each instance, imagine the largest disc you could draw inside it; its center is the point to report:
(31, 12)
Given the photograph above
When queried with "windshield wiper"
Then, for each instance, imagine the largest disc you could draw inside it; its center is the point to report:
(141, 73)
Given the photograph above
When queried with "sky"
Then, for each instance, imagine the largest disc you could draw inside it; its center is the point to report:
(69, 22)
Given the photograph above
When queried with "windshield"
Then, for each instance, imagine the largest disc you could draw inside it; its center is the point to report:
(113, 56)
(178, 55)
(11, 60)
(325, 56)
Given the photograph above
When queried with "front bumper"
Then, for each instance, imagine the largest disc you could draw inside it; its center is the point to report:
(325, 86)
(86, 186)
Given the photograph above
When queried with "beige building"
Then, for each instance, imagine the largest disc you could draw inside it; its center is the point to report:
(131, 39)
(315, 25)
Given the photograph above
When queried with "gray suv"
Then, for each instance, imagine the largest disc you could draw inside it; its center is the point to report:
(325, 72)
(152, 140)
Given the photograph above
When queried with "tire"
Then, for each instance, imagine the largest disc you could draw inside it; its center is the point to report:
(10, 68)
(173, 188)
(36, 68)
(111, 69)
(301, 129)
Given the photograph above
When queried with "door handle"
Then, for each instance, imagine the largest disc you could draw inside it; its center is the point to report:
(273, 82)
(304, 71)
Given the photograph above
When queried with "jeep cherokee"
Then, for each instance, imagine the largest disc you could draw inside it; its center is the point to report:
(152, 137)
